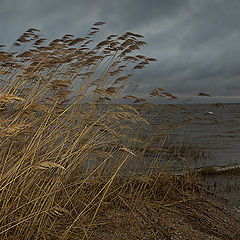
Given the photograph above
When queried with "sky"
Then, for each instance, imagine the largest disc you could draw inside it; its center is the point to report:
(196, 42)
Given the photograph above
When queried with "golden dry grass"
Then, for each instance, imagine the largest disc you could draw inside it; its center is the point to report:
(67, 156)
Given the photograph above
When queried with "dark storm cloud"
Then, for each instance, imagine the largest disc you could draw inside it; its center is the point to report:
(196, 42)
(199, 51)
(138, 15)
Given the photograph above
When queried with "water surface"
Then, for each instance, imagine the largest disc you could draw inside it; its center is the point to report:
(220, 138)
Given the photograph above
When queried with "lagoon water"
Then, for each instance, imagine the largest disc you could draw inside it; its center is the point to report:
(221, 138)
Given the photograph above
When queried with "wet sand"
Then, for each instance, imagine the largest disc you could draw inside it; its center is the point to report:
(223, 188)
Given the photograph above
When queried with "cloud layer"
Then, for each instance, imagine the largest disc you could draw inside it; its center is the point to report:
(196, 42)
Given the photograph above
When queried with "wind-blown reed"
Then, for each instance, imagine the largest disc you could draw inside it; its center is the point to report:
(63, 141)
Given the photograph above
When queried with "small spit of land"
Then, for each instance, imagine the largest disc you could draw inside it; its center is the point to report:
(156, 207)
(73, 162)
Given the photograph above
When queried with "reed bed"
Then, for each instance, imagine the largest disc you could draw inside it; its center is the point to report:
(69, 153)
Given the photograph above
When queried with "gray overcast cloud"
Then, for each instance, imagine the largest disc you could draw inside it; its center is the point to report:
(196, 42)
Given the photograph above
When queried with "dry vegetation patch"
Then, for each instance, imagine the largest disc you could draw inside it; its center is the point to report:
(71, 157)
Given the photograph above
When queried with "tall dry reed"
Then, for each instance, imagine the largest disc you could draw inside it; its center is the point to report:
(66, 148)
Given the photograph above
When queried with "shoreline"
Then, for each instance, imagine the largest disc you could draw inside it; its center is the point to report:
(167, 207)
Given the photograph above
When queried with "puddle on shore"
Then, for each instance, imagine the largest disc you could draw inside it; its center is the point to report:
(225, 188)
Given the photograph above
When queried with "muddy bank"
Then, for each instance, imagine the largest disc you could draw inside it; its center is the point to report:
(148, 207)
(222, 184)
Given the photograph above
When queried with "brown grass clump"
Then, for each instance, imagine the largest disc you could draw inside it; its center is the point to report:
(70, 158)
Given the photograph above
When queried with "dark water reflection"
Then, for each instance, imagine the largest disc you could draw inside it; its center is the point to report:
(221, 139)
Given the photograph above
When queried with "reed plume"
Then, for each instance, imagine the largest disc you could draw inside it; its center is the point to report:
(64, 142)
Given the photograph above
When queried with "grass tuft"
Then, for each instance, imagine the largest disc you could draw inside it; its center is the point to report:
(69, 153)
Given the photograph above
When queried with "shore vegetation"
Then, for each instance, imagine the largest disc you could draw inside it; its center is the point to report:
(72, 157)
